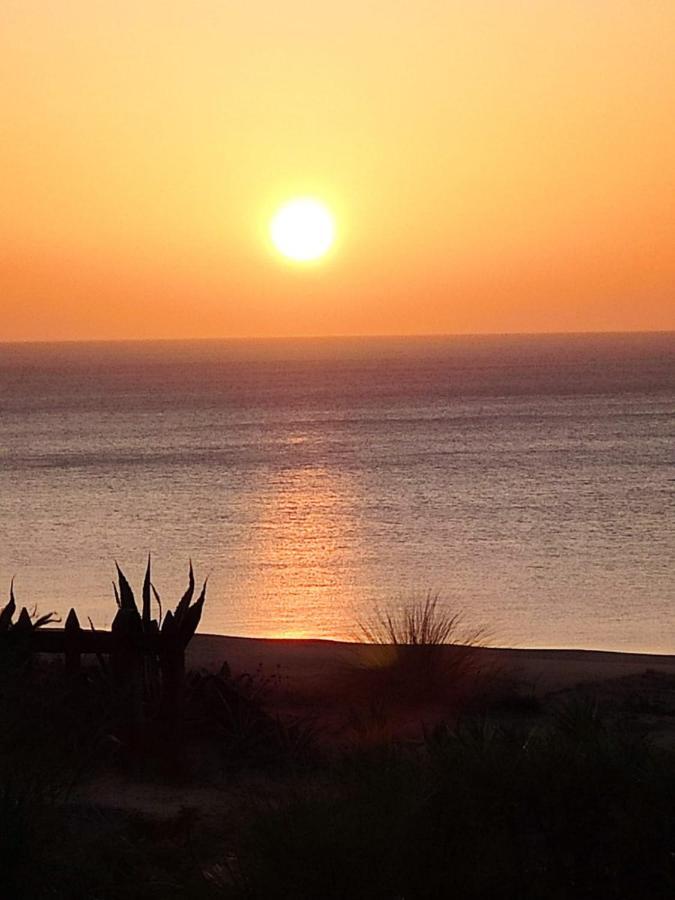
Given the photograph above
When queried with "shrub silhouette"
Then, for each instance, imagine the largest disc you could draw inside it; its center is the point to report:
(423, 650)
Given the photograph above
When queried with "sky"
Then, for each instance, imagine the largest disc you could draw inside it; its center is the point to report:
(492, 165)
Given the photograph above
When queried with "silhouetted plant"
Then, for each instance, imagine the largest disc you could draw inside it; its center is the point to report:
(488, 811)
(228, 712)
(180, 624)
(419, 622)
(26, 621)
(423, 649)
(148, 667)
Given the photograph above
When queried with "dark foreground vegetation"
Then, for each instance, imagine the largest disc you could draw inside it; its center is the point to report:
(508, 797)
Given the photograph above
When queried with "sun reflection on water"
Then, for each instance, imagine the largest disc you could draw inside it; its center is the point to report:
(304, 543)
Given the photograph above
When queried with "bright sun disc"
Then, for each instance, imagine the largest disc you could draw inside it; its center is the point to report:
(302, 230)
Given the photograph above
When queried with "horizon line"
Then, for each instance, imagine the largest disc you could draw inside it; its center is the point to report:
(336, 337)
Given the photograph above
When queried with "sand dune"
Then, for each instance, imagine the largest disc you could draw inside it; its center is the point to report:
(311, 665)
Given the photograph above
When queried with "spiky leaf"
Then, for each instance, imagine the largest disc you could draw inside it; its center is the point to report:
(146, 596)
(159, 602)
(186, 599)
(8, 612)
(169, 625)
(127, 622)
(47, 619)
(127, 599)
(190, 621)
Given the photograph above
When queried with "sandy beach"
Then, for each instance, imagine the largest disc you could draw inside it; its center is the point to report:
(311, 666)
(304, 675)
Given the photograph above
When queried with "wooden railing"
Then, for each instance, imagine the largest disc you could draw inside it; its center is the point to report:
(140, 651)
(127, 648)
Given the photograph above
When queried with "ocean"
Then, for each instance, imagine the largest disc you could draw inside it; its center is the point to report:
(528, 480)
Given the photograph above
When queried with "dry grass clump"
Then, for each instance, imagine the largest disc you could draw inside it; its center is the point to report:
(421, 651)
(419, 622)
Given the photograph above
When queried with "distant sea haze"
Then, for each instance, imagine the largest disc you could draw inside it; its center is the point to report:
(529, 480)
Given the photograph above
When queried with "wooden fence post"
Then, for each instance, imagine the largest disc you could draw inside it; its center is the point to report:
(71, 645)
(21, 638)
(23, 623)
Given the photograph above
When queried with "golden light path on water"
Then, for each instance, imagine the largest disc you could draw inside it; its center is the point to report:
(302, 549)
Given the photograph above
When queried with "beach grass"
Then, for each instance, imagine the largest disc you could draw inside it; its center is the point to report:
(420, 650)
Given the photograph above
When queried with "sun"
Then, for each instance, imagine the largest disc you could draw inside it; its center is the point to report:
(303, 229)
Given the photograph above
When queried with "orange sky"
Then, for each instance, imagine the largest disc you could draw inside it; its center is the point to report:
(493, 165)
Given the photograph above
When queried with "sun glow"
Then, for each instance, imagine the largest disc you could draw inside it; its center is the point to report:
(302, 230)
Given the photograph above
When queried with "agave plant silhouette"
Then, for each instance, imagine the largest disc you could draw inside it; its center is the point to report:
(180, 624)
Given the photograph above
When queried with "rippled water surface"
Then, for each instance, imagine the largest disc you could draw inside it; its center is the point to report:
(529, 480)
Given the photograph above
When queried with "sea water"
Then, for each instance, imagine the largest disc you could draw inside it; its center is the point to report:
(527, 480)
